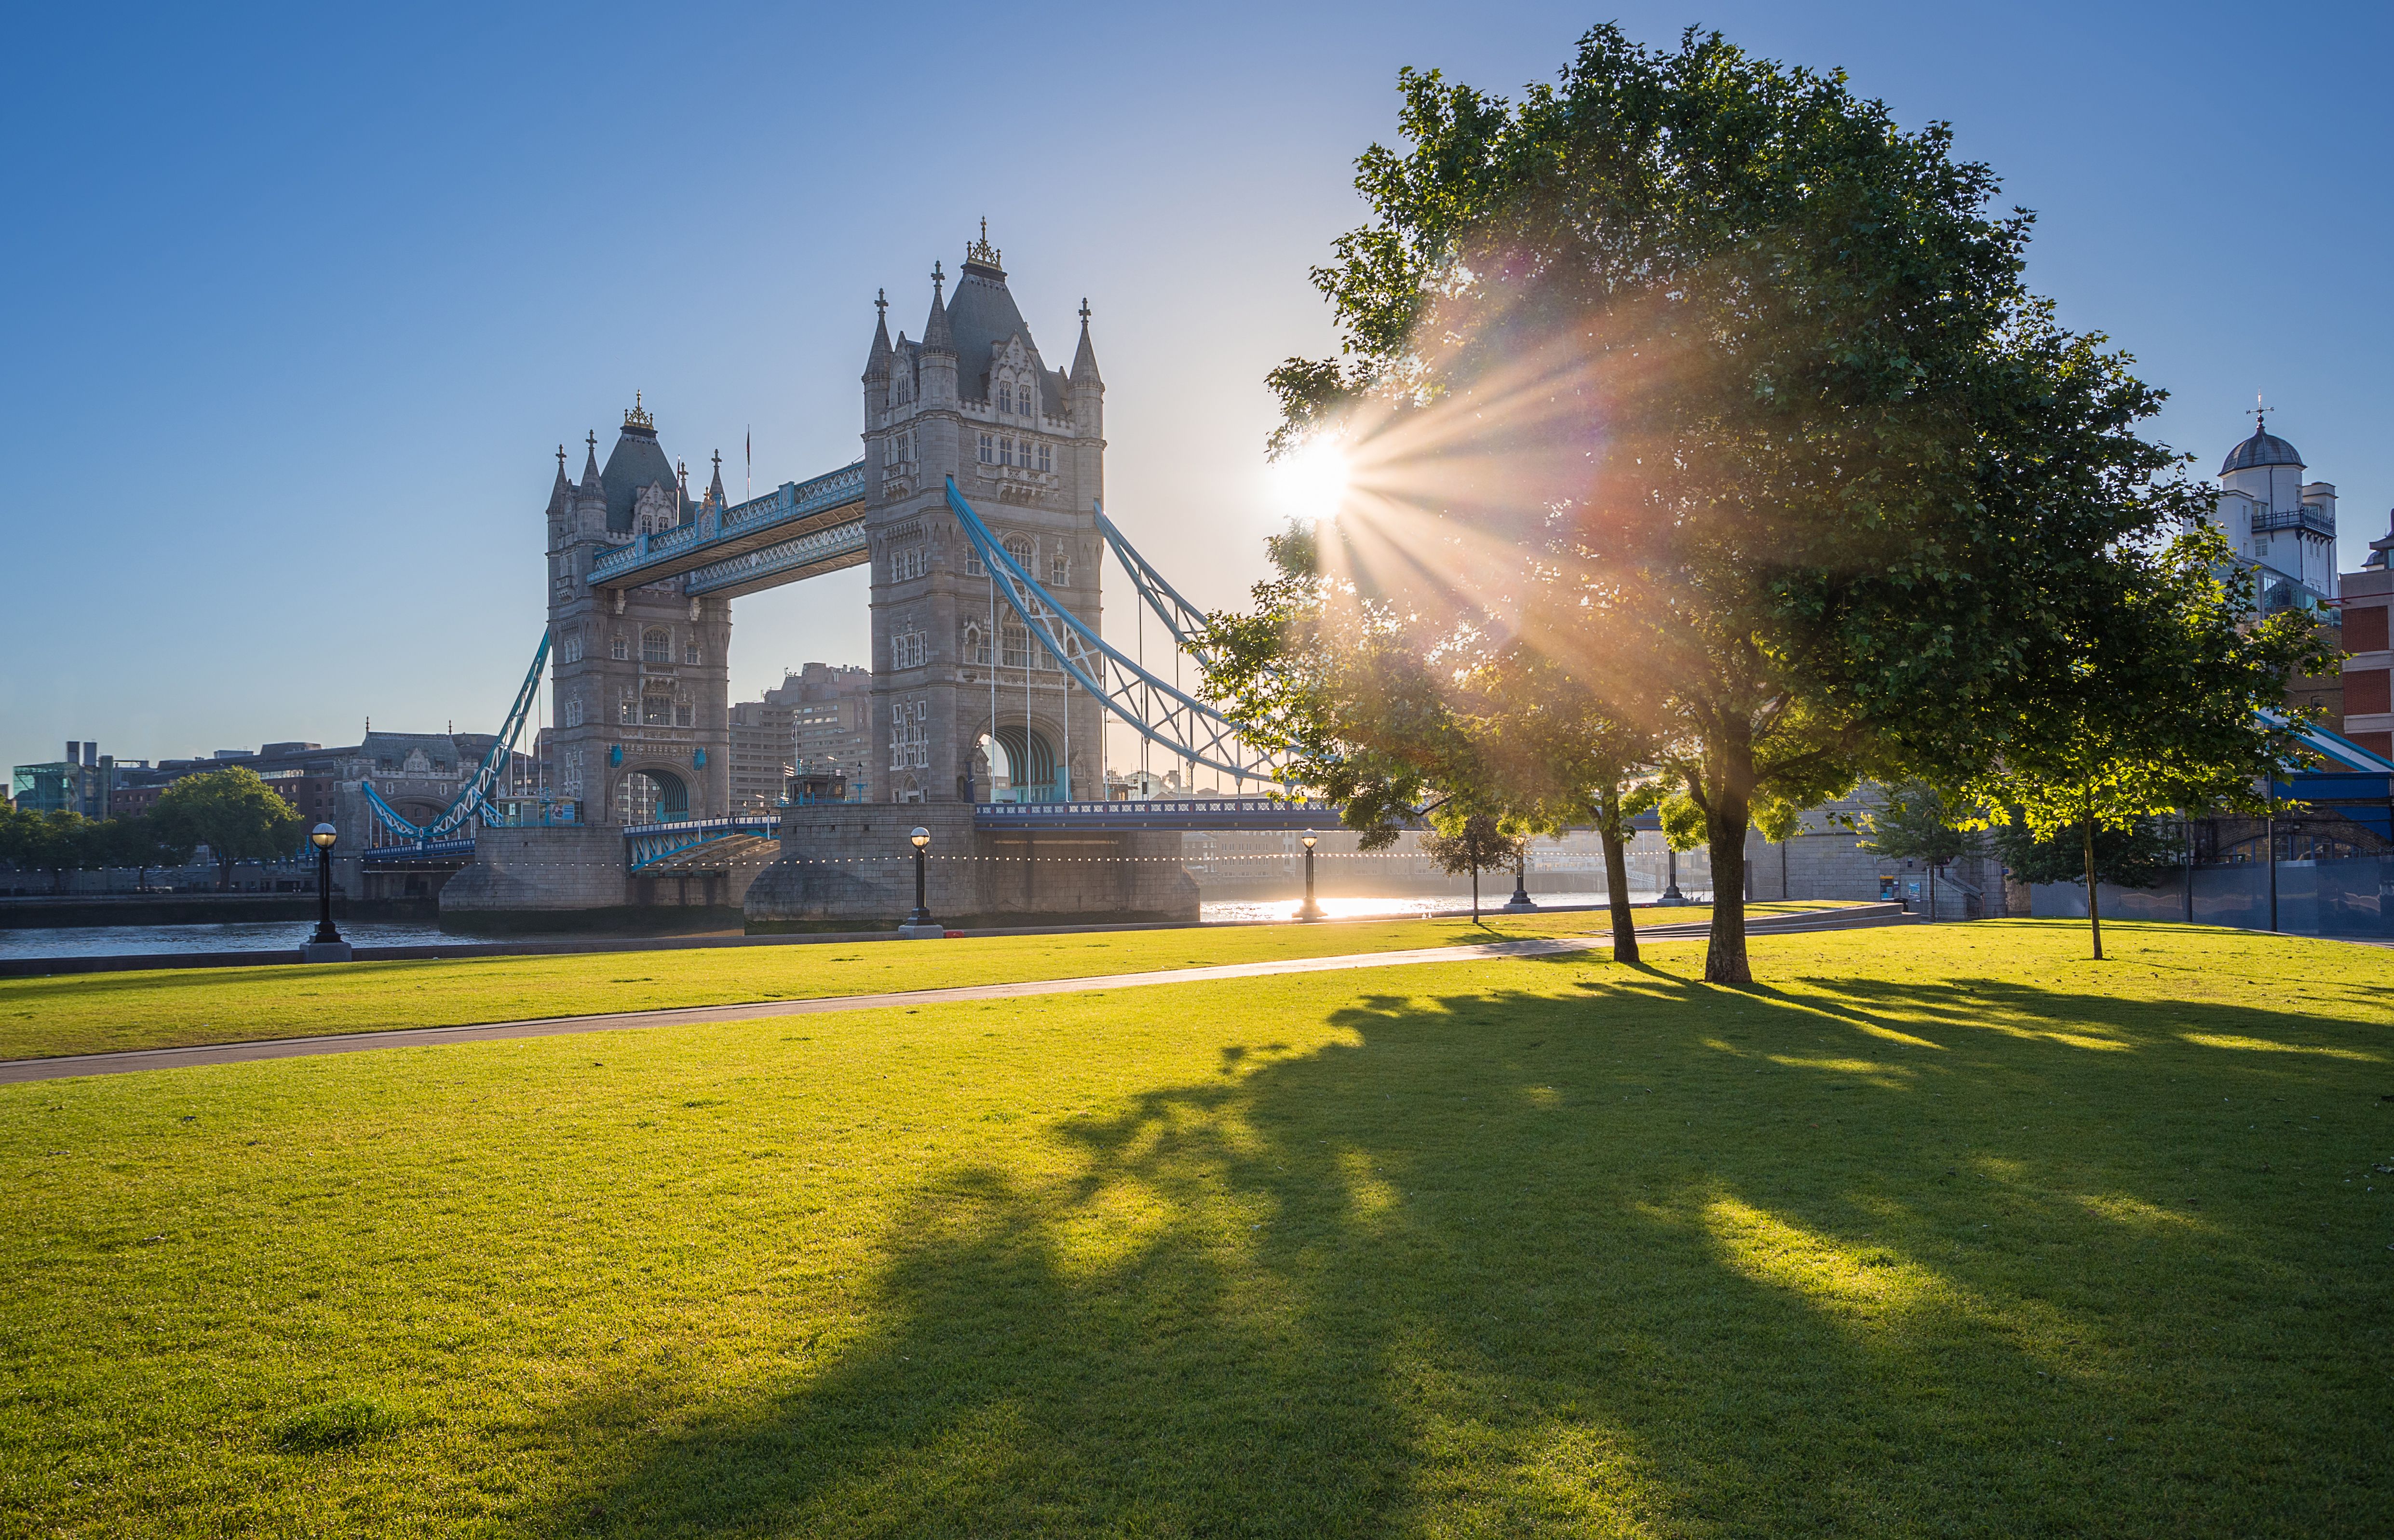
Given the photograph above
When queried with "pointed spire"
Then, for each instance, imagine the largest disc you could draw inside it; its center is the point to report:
(590, 468)
(715, 492)
(876, 363)
(560, 492)
(1084, 358)
(937, 337)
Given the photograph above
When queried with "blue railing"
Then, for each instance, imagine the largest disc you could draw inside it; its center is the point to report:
(645, 844)
(789, 501)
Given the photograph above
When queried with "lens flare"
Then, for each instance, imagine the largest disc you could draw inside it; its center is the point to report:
(1310, 484)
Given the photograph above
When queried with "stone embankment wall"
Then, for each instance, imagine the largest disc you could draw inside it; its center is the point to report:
(853, 866)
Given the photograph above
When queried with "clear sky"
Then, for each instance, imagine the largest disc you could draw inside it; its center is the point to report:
(299, 303)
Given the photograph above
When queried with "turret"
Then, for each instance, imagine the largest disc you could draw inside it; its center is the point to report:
(590, 497)
(1084, 387)
(876, 362)
(714, 498)
(939, 356)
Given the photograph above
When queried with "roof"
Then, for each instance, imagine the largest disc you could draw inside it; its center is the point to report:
(2263, 448)
(637, 460)
(982, 315)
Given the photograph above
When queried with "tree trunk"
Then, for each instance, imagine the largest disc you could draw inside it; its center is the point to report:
(1616, 881)
(1475, 895)
(2094, 903)
(1725, 826)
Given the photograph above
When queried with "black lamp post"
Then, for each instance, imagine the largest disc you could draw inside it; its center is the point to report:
(1311, 910)
(325, 946)
(1671, 893)
(1520, 903)
(920, 921)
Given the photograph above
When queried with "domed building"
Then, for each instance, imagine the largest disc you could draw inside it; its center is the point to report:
(2282, 527)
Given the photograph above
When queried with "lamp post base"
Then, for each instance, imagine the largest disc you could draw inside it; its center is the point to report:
(1310, 911)
(1519, 903)
(325, 952)
(933, 931)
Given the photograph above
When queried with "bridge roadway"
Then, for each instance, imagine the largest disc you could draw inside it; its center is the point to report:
(21, 1070)
(798, 530)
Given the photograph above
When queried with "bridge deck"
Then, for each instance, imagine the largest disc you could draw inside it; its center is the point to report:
(795, 531)
(1194, 814)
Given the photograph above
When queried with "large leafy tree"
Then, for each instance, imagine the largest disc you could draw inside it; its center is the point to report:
(1698, 370)
(231, 812)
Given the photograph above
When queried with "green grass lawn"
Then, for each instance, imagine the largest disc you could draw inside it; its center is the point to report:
(1940, 1230)
(97, 1012)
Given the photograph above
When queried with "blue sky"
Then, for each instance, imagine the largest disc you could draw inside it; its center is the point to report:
(301, 301)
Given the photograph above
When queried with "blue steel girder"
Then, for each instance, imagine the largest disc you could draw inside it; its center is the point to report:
(790, 512)
(645, 844)
(827, 549)
(1159, 711)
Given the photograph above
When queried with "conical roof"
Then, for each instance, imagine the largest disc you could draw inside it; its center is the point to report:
(637, 461)
(938, 336)
(983, 315)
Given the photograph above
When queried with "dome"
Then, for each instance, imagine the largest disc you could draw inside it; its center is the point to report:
(2262, 449)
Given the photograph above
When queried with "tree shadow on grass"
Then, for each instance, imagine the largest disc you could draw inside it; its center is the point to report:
(1508, 1264)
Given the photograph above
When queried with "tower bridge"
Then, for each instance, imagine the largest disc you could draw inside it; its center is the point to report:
(978, 506)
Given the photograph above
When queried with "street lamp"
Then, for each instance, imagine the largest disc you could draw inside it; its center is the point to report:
(1520, 903)
(1671, 893)
(1311, 910)
(325, 946)
(919, 925)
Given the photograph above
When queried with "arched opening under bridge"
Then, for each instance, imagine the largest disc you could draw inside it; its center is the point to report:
(1021, 763)
(649, 795)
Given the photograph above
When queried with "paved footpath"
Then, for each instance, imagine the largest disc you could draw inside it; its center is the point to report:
(19, 1071)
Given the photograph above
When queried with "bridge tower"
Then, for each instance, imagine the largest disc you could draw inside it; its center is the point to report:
(974, 399)
(642, 717)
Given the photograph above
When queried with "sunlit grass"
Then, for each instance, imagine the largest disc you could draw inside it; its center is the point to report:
(1493, 1248)
(100, 1012)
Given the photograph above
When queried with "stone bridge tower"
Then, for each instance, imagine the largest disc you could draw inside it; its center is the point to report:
(974, 399)
(641, 715)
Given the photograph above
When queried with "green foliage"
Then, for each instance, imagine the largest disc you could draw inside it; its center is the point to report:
(2126, 855)
(1472, 844)
(2151, 698)
(1912, 823)
(231, 812)
(1698, 375)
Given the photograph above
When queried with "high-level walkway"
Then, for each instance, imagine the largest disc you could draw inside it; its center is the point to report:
(20, 1071)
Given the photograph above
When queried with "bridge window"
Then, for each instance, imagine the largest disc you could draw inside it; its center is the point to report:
(573, 712)
(1019, 548)
(910, 563)
(689, 652)
(1046, 459)
(989, 449)
(1005, 396)
(656, 645)
(656, 711)
(909, 650)
(685, 716)
(976, 645)
(973, 567)
(625, 710)
(570, 649)
(616, 648)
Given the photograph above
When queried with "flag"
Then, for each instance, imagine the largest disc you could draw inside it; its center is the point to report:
(748, 454)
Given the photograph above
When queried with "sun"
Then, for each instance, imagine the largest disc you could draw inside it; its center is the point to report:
(1312, 482)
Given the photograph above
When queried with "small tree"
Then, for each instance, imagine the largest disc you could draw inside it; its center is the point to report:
(1473, 842)
(233, 812)
(1913, 824)
(2151, 701)
(2137, 855)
